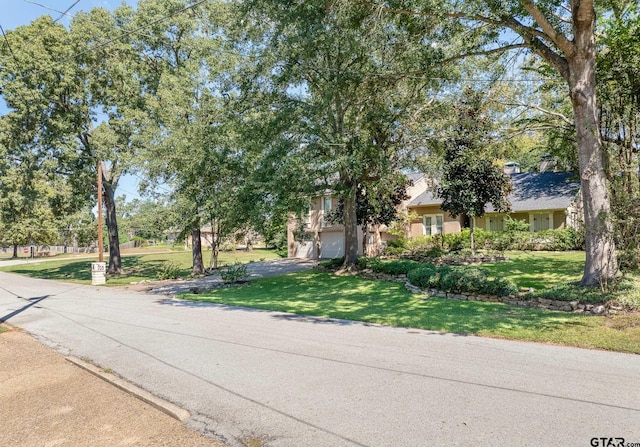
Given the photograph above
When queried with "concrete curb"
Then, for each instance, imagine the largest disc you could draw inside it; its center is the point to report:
(166, 407)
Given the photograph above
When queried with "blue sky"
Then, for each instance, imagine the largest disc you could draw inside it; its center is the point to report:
(20, 12)
(15, 13)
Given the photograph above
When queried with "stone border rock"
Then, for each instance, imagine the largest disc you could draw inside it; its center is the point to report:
(576, 307)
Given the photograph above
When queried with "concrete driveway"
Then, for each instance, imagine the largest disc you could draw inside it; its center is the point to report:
(258, 269)
(290, 380)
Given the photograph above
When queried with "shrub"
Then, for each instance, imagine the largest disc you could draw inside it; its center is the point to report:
(168, 270)
(448, 279)
(395, 266)
(332, 264)
(233, 273)
(364, 263)
(282, 252)
(393, 251)
(461, 279)
(629, 259)
(401, 242)
(500, 287)
(472, 280)
(515, 225)
(423, 277)
(455, 241)
(571, 292)
(419, 244)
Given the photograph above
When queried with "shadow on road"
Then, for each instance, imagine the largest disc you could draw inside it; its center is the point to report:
(32, 302)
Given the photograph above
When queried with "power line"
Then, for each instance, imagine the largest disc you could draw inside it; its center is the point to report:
(66, 11)
(8, 44)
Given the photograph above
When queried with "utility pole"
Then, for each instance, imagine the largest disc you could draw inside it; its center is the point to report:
(100, 243)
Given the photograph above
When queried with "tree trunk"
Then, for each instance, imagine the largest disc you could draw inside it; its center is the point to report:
(196, 252)
(350, 231)
(472, 227)
(365, 233)
(600, 265)
(15, 251)
(215, 249)
(115, 260)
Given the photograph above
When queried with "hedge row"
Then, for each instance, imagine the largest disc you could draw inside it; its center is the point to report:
(450, 279)
(437, 245)
(472, 280)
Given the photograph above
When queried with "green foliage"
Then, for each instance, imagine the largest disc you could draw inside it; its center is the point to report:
(332, 264)
(233, 273)
(392, 266)
(425, 277)
(169, 270)
(141, 267)
(619, 104)
(572, 291)
(471, 280)
(512, 239)
(470, 180)
(515, 225)
(382, 302)
(549, 240)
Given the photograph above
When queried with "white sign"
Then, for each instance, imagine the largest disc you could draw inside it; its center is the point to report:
(98, 267)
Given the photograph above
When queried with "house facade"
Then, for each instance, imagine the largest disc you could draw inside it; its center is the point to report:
(317, 237)
(545, 200)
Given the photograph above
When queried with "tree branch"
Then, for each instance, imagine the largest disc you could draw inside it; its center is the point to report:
(545, 111)
(564, 44)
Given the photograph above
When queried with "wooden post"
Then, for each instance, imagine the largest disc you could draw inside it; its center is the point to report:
(100, 243)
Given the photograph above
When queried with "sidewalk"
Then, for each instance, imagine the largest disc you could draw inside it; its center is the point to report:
(48, 401)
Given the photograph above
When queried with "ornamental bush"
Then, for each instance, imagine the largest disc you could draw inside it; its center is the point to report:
(424, 277)
(394, 267)
(169, 270)
(234, 273)
(500, 287)
(471, 280)
(332, 264)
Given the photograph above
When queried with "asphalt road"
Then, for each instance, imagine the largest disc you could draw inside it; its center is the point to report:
(300, 381)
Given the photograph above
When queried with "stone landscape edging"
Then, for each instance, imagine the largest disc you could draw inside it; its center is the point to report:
(576, 307)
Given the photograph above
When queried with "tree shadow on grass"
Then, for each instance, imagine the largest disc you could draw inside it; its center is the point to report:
(538, 271)
(380, 302)
(135, 268)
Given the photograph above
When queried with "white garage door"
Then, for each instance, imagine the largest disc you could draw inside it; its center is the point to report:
(331, 245)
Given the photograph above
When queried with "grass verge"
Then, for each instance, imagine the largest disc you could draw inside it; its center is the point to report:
(388, 303)
(138, 267)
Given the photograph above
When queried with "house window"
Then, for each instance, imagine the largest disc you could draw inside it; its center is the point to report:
(326, 209)
(432, 224)
(495, 223)
(541, 222)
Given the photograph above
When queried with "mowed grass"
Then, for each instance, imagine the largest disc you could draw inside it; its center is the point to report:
(389, 303)
(138, 267)
(539, 270)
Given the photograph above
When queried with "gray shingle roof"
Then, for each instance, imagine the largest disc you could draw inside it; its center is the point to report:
(426, 198)
(531, 191)
(542, 191)
(414, 177)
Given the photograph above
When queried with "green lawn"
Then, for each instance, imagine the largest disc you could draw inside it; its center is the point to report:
(540, 270)
(137, 267)
(389, 303)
